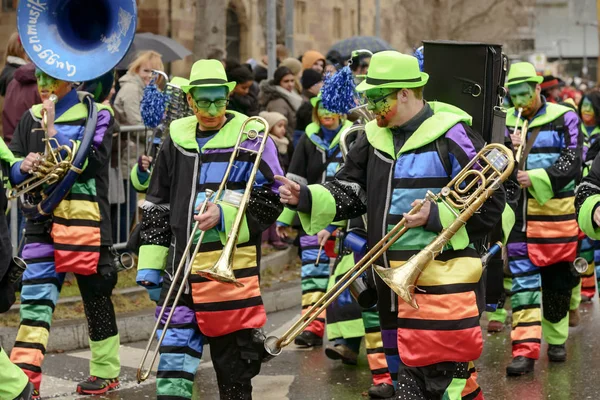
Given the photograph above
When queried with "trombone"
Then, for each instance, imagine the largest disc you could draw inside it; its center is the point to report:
(222, 271)
(481, 177)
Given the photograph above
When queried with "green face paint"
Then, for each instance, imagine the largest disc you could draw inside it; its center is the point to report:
(523, 96)
(588, 116)
(327, 118)
(384, 104)
(48, 85)
(209, 105)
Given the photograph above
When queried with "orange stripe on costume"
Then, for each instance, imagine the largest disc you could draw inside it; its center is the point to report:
(530, 350)
(76, 235)
(215, 292)
(552, 229)
(27, 356)
(377, 361)
(543, 255)
(526, 332)
(452, 306)
(418, 348)
(219, 323)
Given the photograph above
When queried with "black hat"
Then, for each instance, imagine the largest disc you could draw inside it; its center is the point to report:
(310, 77)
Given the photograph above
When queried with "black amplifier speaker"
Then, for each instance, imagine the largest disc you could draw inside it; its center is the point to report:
(471, 77)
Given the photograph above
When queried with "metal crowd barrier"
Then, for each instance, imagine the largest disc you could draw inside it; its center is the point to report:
(137, 134)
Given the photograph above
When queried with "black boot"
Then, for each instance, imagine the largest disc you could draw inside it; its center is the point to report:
(557, 352)
(308, 339)
(520, 365)
(342, 352)
(27, 393)
(381, 391)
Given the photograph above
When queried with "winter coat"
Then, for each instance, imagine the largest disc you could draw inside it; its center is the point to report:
(247, 105)
(6, 76)
(127, 112)
(275, 98)
(21, 95)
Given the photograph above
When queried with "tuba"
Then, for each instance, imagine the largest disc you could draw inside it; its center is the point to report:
(62, 40)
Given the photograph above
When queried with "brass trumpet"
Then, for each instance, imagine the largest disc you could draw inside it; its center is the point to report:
(481, 178)
(222, 271)
(52, 165)
(521, 149)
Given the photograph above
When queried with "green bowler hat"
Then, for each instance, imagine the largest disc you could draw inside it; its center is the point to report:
(179, 82)
(315, 100)
(391, 69)
(522, 72)
(208, 73)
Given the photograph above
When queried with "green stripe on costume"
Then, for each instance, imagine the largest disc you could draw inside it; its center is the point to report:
(370, 319)
(498, 315)
(174, 387)
(135, 180)
(555, 333)
(12, 377)
(575, 297)
(5, 154)
(541, 188)
(287, 216)
(88, 187)
(314, 284)
(461, 239)
(322, 212)
(585, 217)
(346, 329)
(553, 111)
(36, 313)
(508, 221)
(454, 390)
(105, 361)
(525, 298)
(153, 256)
(229, 214)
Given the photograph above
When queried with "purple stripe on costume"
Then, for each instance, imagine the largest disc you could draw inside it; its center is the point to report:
(458, 135)
(182, 315)
(101, 127)
(306, 241)
(517, 249)
(38, 250)
(270, 157)
(216, 151)
(390, 338)
(572, 124)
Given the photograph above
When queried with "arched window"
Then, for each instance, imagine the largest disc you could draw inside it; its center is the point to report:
(233, 35)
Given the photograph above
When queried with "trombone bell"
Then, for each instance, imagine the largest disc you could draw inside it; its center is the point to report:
(272, 346)
(402, 280)
(222, 271)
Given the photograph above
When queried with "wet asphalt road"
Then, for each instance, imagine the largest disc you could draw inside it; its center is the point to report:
(308, 374)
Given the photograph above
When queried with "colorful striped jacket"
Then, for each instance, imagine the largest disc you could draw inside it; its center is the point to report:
(81, 222)
(179, 179)
(385, 172)
(546, 212)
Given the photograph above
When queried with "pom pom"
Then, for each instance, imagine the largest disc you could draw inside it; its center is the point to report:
(152, 106)
(420, 56)
(338, 92)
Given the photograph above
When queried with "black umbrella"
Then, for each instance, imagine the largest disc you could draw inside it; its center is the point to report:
(169, 49)
(371, 43)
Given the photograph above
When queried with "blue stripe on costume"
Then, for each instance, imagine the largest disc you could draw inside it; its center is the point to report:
(213, 172)
(43, 270)
(178, 362)
(522, 266)
(541, 160)
(332, 168)
(419, 165)
(549, 139)
(526, 282)
(179, 337)
(312, 270)
(402, 199)
(44, 291)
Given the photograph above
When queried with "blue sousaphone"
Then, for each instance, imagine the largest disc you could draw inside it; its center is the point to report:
(76, 41)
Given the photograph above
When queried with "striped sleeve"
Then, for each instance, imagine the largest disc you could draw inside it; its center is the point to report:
(587, 199)
(568, 165)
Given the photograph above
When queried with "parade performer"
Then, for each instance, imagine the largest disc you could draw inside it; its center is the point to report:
(76, 239)
(589, 113)
(193, 158)
(15, 383)
(544, 240)
(387, 172)
(315, 160)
